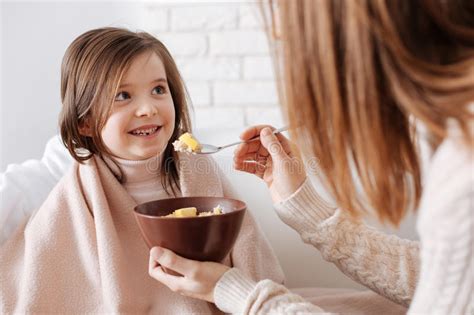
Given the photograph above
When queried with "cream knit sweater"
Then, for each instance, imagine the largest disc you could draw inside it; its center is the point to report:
(433, 276)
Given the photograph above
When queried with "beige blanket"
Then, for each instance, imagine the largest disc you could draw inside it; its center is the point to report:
(82, 251)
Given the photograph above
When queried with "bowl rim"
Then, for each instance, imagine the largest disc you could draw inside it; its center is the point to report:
(242, 208)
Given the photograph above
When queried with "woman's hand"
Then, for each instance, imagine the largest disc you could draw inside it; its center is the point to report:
(198, 279)
(271, 158)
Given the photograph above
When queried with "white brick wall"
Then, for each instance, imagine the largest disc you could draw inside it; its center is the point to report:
(222, 53)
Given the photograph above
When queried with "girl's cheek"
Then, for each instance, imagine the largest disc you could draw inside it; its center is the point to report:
(172, 110)
(171, 123)
(172, 114)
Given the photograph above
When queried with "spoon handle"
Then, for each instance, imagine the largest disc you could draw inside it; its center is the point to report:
(284, 128)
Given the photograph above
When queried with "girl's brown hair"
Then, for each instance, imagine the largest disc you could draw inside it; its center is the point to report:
(92, 68)
(357, 74)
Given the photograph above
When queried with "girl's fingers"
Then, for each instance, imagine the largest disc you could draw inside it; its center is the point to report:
(170, 260)
(196, 279)
(152, 263)
(156, 272)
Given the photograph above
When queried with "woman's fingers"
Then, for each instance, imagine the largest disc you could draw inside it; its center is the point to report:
(251, 146)
(262, 167)
(273, 158)
(256, 145)
(285, 143)
(253, 131)
(250, 167)
(273, 145)
(258, 156)
(251, 157)
(248, 147)
(246, 157)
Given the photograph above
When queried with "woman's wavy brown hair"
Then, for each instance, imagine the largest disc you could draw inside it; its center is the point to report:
(91, 71)
(357, 74)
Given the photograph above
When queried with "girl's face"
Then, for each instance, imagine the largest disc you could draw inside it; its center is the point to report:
(142, 119)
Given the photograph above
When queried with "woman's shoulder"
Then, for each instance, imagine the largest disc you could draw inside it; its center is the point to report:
(448, 185)
(451, 162)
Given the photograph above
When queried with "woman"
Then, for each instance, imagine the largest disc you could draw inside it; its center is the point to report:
(357, 78)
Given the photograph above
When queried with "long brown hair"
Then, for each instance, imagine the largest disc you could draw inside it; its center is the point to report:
(92, 68)
(357, 74)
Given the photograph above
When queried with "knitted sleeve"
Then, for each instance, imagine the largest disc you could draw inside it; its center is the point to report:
(384, 263)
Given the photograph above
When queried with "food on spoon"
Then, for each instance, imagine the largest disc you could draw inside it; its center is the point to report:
(187, 143)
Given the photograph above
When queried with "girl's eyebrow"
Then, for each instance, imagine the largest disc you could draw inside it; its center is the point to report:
(160, 80)
(154, 81)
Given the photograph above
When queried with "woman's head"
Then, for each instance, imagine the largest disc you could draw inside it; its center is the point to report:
(358, 73)
(122, 96)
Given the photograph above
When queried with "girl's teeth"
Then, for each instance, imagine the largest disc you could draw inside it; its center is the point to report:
(144, 132)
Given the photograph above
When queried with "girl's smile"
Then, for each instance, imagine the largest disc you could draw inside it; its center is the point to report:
(146, 131)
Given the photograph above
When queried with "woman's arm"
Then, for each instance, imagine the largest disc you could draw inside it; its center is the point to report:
(237, 294)
(384, 263)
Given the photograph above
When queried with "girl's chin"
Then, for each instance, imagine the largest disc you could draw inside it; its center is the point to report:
(150, 153)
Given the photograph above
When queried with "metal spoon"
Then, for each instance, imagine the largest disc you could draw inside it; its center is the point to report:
(210, 149)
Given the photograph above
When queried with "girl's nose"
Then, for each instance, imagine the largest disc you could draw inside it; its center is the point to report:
(146, 108)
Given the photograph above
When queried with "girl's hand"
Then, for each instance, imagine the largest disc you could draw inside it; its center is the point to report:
(271, 158)
(198, 279)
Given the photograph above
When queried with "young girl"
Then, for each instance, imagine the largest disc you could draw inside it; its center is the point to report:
(124, 103)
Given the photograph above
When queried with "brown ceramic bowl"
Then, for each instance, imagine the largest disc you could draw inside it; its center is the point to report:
(207, 238)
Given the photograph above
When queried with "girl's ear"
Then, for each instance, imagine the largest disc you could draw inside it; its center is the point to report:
(85, 128)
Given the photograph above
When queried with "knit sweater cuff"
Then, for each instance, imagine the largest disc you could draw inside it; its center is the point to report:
(304, 209)
(232, 290)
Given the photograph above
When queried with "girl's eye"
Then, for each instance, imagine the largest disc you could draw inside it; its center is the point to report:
(159, 90)
(122, 96)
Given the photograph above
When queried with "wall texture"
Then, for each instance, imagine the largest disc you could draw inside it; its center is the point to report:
(222, 52)
(220, 48)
